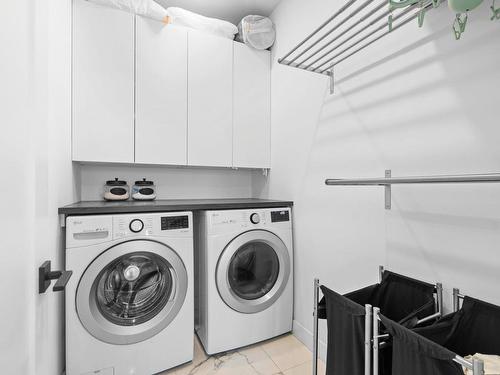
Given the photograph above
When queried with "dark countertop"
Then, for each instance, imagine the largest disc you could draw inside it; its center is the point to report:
(103, 207)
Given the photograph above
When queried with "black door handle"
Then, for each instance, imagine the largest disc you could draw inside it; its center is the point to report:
(62, 281)
(46, 275)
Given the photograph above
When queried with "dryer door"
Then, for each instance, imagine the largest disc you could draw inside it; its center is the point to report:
(253, 270)
(131, 291)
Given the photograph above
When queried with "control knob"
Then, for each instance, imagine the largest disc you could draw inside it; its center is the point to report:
(255, 218)
(136, 225)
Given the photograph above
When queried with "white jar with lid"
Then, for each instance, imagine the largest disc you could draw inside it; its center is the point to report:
(144, 190)
(116, 190)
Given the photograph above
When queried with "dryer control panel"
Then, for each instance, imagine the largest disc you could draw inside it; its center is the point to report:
(223, 221)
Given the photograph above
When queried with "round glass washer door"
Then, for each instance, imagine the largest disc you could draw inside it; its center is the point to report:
(253, 271)
(131, 292)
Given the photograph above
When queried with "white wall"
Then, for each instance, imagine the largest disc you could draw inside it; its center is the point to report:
(171, 182)
(55, 178)
(417, 102)
(16, 322)
(37, 177)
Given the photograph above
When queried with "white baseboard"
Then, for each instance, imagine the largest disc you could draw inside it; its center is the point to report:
(306, 337)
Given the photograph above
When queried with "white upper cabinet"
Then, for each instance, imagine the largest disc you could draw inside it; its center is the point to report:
(149, 93)
(210, 100)
(103, 84)
(161, 93)
(251, 108)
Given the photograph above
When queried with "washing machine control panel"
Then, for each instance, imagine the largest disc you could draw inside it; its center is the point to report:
(151, 225)
(89, 230)
(125, 225)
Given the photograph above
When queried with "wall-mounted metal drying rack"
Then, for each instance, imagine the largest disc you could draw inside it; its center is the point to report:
(367, 22)
(388, 181)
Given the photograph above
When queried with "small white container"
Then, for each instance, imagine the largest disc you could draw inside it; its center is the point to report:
(144, 190)
(116, 190)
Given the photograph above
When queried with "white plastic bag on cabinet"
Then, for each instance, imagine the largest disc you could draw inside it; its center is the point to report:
(257, 32)
(182, 17)
(146, 8)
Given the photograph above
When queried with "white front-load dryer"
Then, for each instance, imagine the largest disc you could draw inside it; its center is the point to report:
(245, 277)
(129, 304)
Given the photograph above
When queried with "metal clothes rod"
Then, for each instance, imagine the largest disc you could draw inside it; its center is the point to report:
(388, 181)
(284, 60)
(302, 67)
(380, 28)
(373, 22)
(312, 55)
(337, 25)
(442, 179)
(338, 13)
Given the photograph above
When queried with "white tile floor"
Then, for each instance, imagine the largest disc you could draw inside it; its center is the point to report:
(284, 355)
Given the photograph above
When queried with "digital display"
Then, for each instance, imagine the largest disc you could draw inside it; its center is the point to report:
(278, 216)
(174, 222)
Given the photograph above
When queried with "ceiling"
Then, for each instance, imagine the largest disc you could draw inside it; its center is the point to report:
(229, 10)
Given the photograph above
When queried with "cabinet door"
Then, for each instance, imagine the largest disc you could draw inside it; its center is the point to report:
(161, 93)
(103, 84)
(210, 100)
(252, 108)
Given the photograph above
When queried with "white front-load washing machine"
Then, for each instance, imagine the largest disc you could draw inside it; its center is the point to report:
(129, 304)
(245, 277)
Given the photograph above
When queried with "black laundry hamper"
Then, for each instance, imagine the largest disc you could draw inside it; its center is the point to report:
(404, 299)
(439, 349)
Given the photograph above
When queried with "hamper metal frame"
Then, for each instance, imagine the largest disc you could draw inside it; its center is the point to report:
(372, 323)
(477, 366)
(456, 299)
